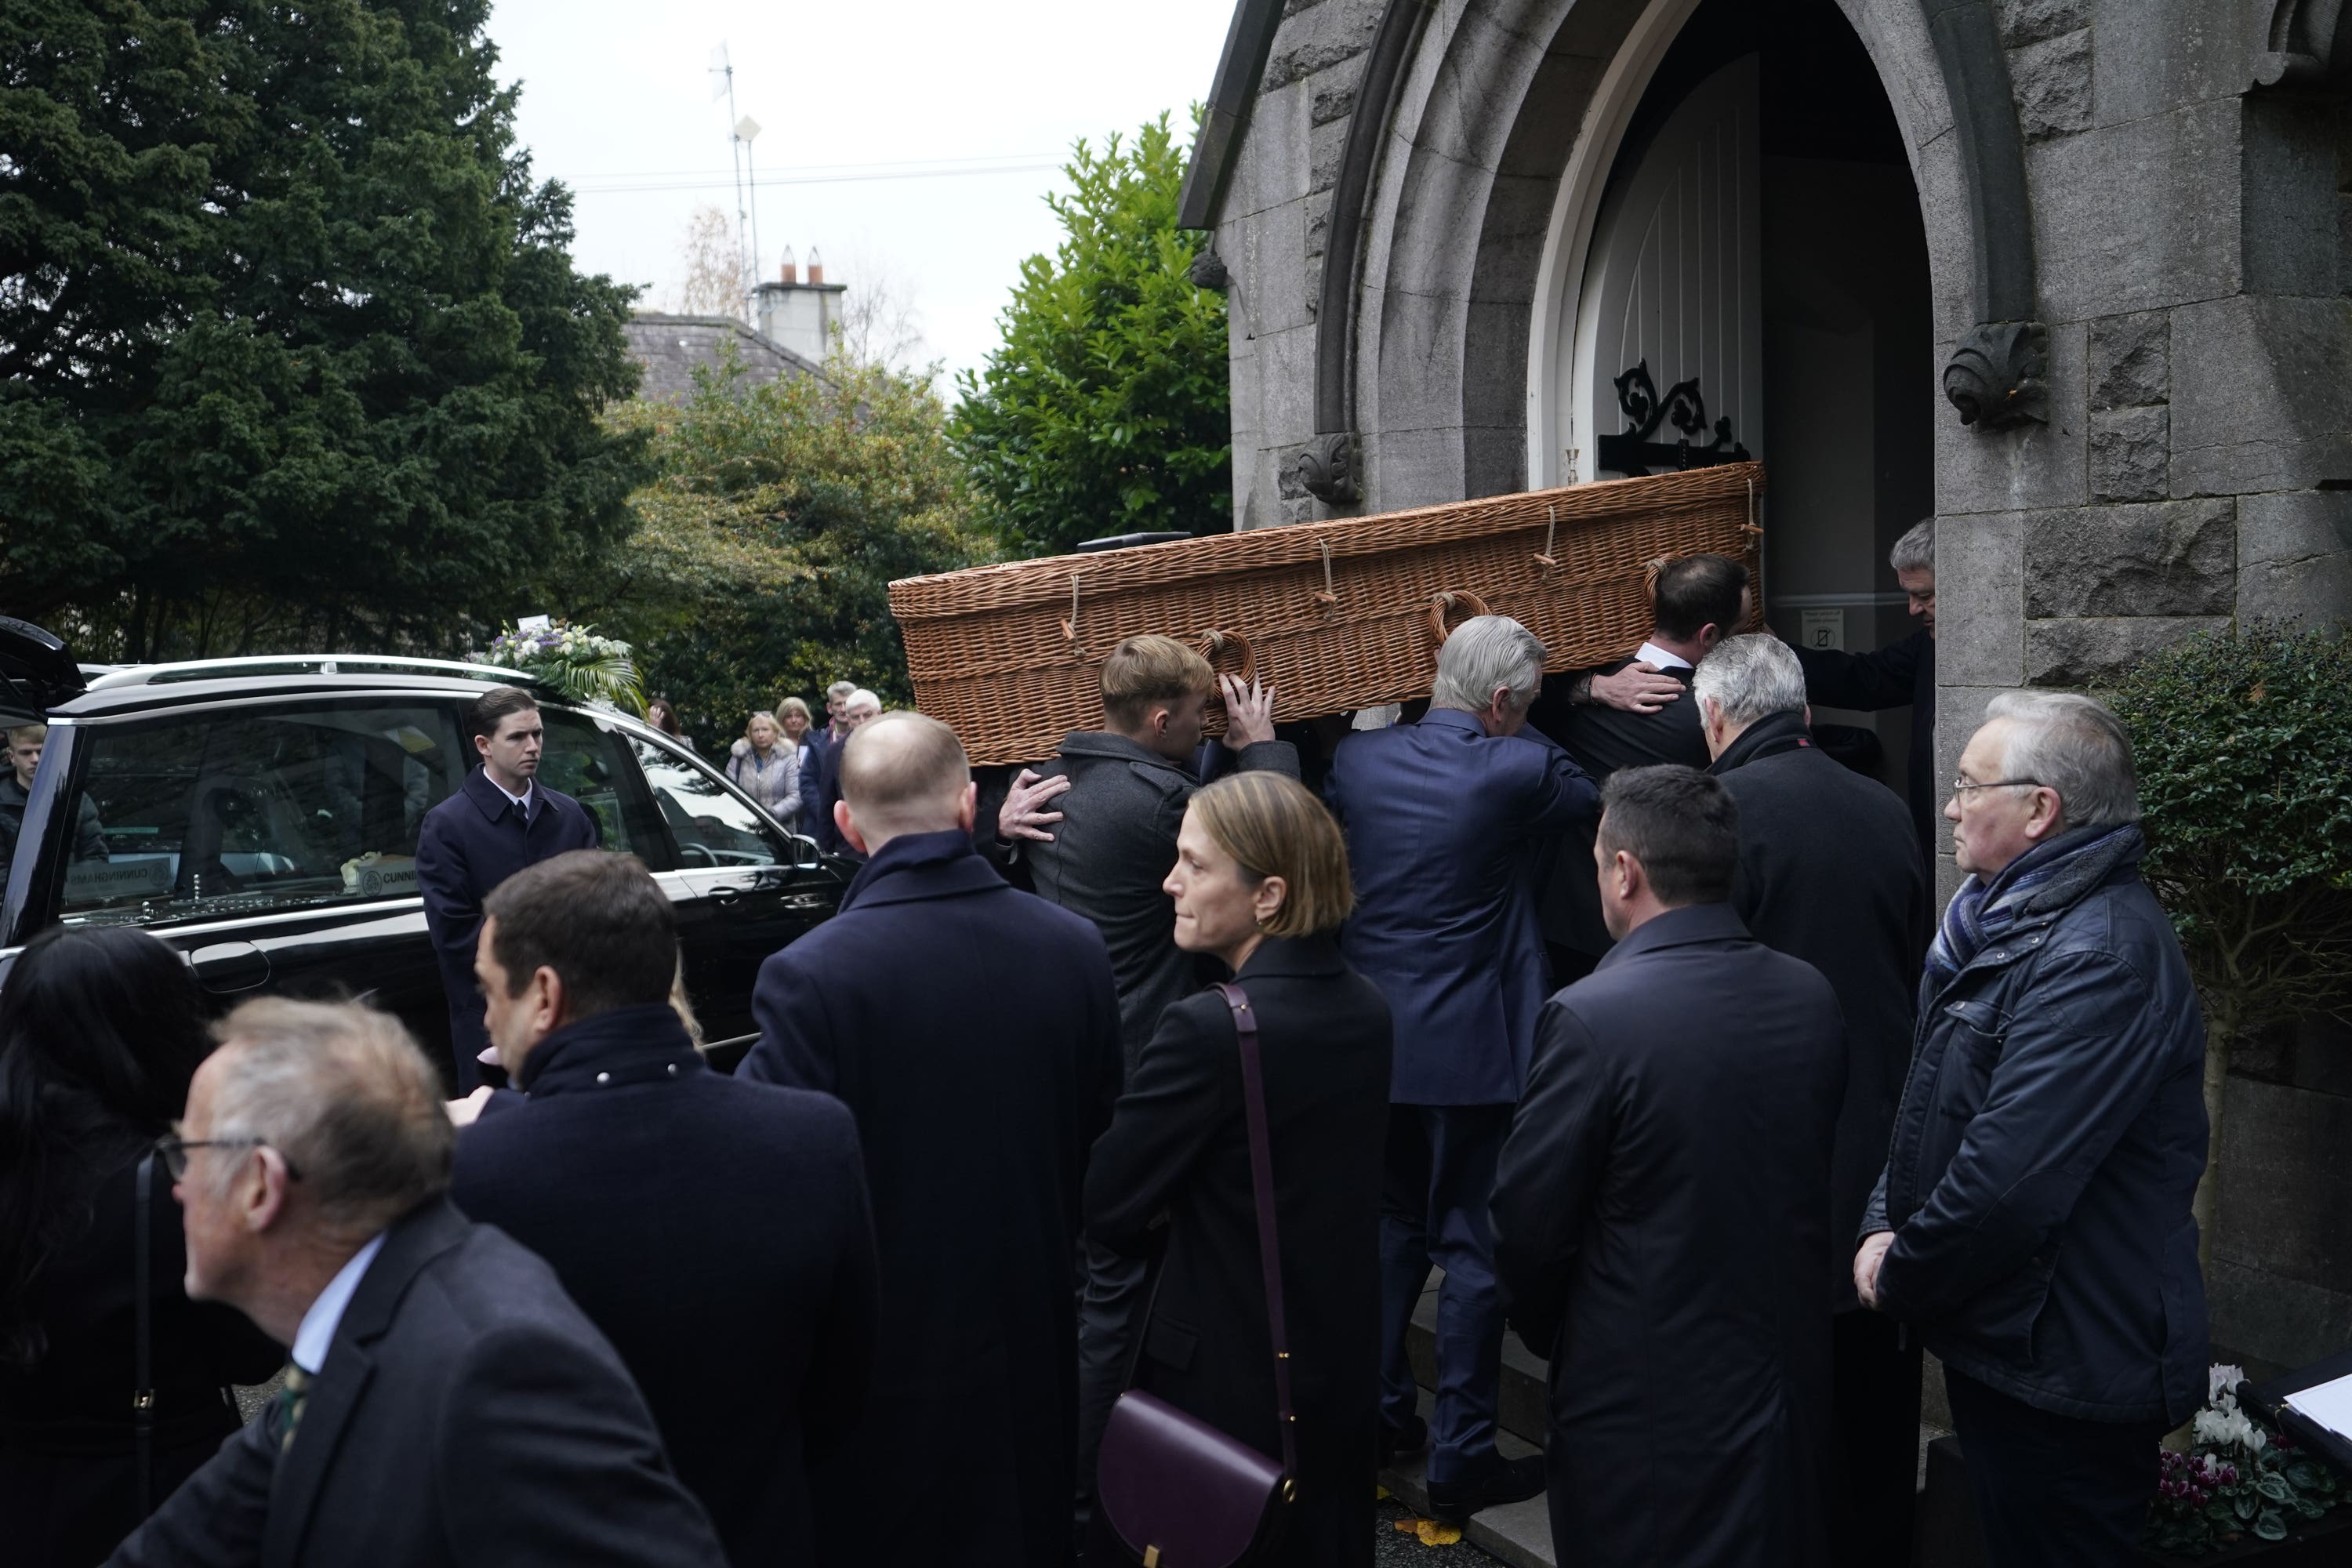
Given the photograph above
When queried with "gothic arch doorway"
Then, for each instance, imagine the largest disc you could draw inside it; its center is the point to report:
(1756, 246)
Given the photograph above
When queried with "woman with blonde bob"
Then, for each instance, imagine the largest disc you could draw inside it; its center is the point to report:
(1261, 883)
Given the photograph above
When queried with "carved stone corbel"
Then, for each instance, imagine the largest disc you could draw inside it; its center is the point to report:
(2303, 41)
(1209, 270)
(1998, 376)
(1327, 468)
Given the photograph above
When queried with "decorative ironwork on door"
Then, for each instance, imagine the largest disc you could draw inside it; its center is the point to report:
(1633, 452)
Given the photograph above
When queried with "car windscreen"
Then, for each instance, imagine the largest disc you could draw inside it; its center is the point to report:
(254, 808)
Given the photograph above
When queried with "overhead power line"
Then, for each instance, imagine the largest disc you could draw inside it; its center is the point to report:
(844, 173)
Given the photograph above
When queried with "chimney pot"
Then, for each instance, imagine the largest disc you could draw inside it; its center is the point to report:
(791, 269)
(816, 267)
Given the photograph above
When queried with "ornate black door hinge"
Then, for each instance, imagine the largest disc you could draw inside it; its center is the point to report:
(1633, 453)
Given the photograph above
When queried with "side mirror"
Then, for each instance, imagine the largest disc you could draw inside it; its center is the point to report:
(806, 856)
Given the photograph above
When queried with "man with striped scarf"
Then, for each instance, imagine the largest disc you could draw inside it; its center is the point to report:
(2033, 1221)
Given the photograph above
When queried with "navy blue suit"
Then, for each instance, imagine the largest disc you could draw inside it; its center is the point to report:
(665, 1193)
(1445, 826)
(465, 847)
(972, 1031)
(821, 789)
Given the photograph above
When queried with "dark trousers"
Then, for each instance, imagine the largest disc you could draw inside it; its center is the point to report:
(1434, 1198)
(1874, 1462)
(1111, 1304)
(2054, 1491)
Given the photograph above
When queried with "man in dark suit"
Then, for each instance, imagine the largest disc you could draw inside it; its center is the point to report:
(1117, 796)
(850, 706)
(448, 1403)
(1442, 819)
(498, 821)
(1696, 602)
(973, 1032)
(1900, 674)
(1829, 872)
(682, 1210)
(1662, 1212)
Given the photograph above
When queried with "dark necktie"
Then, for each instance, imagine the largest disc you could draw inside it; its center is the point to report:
(290, 1400)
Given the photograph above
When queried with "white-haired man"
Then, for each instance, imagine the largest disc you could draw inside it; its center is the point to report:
(2033, 1221)
(1902, 674)
(1443, 819)
(448, 1403)
(1830, 872)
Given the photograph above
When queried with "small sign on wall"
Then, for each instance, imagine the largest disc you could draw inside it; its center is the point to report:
(1823, 628)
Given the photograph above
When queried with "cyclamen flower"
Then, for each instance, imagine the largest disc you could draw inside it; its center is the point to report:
(2222, 1382)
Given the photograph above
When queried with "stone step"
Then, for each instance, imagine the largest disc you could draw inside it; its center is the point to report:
(1519, 1533)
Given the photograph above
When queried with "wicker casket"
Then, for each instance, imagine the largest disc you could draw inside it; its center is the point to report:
(1334, 615)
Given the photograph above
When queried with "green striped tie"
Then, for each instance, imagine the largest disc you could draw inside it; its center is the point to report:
(290, 1400)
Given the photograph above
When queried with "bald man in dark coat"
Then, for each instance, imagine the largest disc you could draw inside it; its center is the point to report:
(1662, 1210)
(971, 1030)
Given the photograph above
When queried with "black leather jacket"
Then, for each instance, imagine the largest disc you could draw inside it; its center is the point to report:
(2049, 1141)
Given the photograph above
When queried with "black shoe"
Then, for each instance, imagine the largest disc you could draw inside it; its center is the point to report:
(1509, 1480)
(1413, 1440)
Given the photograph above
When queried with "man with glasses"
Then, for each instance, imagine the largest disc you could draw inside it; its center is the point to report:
(2033, 1220)
(446, 1401)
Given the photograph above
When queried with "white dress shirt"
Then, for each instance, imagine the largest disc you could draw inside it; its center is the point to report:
(522, 801)
(1659, 658)
(318, 1330)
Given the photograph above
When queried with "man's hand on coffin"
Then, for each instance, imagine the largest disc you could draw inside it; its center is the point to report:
(1249, 712)
(1020, 816)
(1637, 688)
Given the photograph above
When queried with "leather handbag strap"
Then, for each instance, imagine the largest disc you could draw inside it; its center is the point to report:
(1269, 1245)
(142, 1400)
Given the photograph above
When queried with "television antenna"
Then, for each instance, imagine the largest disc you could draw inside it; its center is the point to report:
(740, 130)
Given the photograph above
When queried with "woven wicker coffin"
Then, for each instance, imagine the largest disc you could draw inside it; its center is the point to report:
(1334, 615)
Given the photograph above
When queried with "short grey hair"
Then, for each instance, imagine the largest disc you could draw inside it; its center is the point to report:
(859, 696)
(344, 1094)
(2073, 745)
(1486, 652)
(1915, 551)
(1750, 677)
(839, 691)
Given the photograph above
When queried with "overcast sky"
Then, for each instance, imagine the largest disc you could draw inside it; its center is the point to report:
(616, 102)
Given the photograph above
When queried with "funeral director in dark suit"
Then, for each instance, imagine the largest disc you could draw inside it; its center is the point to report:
(500, 820)
(972, 1031)
(682, 1209)
(1662, 1209)
(448, 1403)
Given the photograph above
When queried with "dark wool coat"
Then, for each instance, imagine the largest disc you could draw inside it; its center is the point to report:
(2046, 1150)
(1444, 822)
(1829, 873)
(971, 1030)
(1178, 1154)
(1661, 1233)
(67, 1467)
(466, 1414)
(1111, 851)
(686, 1211)
(1900, 673)
(1603, 739)
(465, 847)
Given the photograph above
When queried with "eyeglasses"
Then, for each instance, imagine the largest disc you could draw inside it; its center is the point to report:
(174, 1151)
(1962, 786)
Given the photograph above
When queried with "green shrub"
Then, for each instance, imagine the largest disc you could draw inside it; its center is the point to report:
(2243, 746)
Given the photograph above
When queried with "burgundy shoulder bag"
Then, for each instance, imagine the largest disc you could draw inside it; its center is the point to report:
(1176, 1492)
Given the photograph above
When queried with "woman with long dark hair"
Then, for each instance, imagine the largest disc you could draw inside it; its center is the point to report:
(99, 1033)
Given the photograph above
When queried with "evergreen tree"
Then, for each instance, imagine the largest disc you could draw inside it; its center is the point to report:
(291, 349)
(1105, 411)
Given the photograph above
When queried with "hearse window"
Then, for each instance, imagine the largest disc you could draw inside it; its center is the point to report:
(257, 809)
